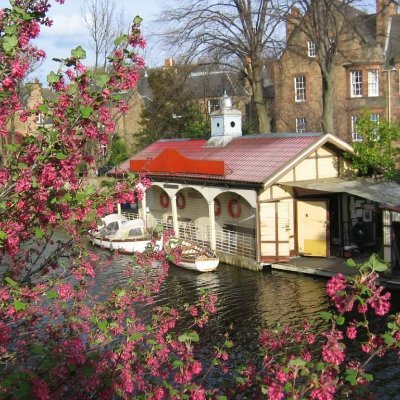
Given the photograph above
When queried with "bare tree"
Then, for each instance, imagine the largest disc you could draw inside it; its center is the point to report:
(333, 27)
(105, 22)
(233, 32)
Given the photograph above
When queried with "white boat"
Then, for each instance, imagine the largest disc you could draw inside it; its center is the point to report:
(192, 256)
(117, 233)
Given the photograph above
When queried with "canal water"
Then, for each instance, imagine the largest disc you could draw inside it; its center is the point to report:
(249, 301)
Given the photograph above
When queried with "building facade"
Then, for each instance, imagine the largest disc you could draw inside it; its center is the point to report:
(258, 199)
(365, 72)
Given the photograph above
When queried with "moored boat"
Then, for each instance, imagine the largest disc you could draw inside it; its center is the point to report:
(190, 255)
(117, 233)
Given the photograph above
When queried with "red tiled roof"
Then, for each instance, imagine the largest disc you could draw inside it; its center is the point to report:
(247, 158)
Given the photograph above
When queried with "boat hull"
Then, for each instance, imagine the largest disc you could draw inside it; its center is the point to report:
(123, 246)
(192, 256)
(198, 265)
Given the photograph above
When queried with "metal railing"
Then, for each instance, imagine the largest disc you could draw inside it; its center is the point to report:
(228, 241)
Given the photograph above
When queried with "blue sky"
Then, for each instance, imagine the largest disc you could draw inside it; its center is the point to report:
(69, 31)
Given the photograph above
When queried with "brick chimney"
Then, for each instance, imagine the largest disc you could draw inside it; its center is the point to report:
(385, 9)
(169, 62)
(291, 21)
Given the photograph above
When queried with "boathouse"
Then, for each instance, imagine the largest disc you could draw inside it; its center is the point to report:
(258, 199)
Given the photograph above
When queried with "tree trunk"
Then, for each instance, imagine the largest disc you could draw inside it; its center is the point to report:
(328, 121)
(264, 121)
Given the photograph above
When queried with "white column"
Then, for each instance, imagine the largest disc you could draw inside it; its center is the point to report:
(211, 218)
(174, 215)
(119, 208)
(144, 209)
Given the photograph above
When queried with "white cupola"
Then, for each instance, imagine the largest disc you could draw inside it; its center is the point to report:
(226, 123)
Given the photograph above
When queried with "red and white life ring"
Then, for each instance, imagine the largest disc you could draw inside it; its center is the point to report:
(164, 200)
(217, 207)
(234, 208)
(180, 201)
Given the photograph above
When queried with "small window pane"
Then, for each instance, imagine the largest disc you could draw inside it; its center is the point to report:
(311, 49)
(356, 83)
(300, 88)
(373, 83)
(301, 125)
(355, 136)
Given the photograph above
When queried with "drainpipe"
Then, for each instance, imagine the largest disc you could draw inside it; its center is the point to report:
(211, 218)
(175, 215)
(389, 93)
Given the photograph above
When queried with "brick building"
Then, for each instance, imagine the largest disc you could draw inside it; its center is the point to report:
(365, 71)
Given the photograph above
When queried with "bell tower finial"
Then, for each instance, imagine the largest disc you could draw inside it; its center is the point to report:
(226, 123)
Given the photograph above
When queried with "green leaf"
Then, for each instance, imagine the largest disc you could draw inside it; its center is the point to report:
(51, 294)
(137, 20)
(85, 111)
(19, 305)
(340, 320)
(3, 235)
(102, 79)
(136, 336)
(61, 156)
(39, 233)
(121, 39)
(177, 364)
(9, 43)
(53, 78)
(37, 348)
(264, 389)
(44, 108)
(188, 337)
(228, 344)
(11, 282)
(102, 325)
(389, 340)
(351, 376)
(78, 53)
(325, 315)
(297, 362)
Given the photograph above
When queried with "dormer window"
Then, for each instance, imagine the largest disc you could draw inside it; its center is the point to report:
(311, 49)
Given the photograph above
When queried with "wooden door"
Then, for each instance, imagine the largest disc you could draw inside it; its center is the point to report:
(274, 220)
(312, 228)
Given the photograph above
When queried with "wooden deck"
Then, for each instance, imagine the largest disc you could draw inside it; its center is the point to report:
(331, 266)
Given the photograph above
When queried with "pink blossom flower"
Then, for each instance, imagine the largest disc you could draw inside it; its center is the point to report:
(65, 291)
(40, 389)
(351, 332)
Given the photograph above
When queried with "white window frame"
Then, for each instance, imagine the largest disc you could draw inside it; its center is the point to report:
(39, 119)
(373, 83)
(301, 125)
(300, 88)
(355, 137)
(311, 51)
(212, 105)
(356, 83)
(375, 118)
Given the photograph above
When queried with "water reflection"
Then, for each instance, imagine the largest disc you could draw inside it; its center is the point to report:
(249, 301)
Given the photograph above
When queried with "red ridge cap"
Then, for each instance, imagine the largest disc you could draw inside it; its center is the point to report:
(171, 161)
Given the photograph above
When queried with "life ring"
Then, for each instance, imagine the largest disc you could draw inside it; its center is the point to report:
(180, 201)
(164, 200)
(217, 207)
(234, 208)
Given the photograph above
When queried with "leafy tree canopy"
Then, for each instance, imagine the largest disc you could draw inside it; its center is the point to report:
(378, 150)
(171, 113)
